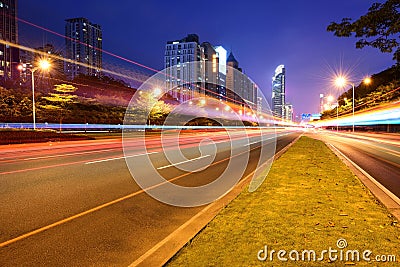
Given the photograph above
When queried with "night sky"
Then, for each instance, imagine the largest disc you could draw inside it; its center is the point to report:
(261, 34)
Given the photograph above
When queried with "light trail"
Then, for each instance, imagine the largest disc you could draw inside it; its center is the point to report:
(384, 114)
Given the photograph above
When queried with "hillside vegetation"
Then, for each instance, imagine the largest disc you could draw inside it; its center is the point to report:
(385, 88)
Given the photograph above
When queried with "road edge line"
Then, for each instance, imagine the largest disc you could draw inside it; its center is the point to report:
(167, 248)
(381, 193)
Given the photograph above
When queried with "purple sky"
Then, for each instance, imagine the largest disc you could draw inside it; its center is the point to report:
(261, 34)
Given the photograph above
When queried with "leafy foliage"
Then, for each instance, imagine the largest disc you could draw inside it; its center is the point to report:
(14, 104)
(379, 28)
(148, 108)
(62, 99)
(385, 88)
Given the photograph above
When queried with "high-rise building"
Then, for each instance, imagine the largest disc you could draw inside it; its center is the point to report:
(233, 79)
(222, 57)
(209, 75)
(259, 103)
(9, 55)
(84, 45)
(288, 112)
(240, 88)
(211, 69)
(187, 76)
(249, 92)
(278, 92)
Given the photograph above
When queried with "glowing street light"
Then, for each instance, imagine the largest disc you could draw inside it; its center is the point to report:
(157, 92)
(44, 65)
(367, 81)
(342, 82)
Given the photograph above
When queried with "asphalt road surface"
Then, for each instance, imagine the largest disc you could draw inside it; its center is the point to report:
(76, 204)
(377, 154)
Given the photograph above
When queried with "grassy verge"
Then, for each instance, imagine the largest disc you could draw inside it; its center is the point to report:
(8, 137)
(309, 200)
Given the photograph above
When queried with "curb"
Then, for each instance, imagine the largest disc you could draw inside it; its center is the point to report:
(163, 251)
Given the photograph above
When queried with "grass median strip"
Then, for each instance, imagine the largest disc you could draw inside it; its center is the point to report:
(310, 202)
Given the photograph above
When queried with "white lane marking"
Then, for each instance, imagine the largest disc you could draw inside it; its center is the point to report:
(123, 157)
(388, 150)
(177, 232)
(253, 143)
(266, 139)
(69, 154)
(371, 145)
(378, 184)
(396, 143)
(42, 229)
(185, 161)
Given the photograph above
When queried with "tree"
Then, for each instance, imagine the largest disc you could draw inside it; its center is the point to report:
(61, 100)
(379, 28)
(147, 109)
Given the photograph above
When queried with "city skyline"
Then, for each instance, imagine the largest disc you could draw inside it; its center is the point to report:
(261, 41)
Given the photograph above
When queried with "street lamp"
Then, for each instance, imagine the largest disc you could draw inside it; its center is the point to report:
(43, 64)
(157, 92)
(330, 99)
(337, 116)
(342, 82)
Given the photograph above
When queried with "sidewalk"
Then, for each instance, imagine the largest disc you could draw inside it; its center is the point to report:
(309, 201)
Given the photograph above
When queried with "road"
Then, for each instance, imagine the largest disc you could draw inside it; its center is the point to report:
(377, 154)
(76, 204)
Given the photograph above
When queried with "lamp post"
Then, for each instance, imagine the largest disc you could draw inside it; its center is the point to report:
(341, 82)
(43, 64)
(353, 105)
(337, 116)
(33, 97)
